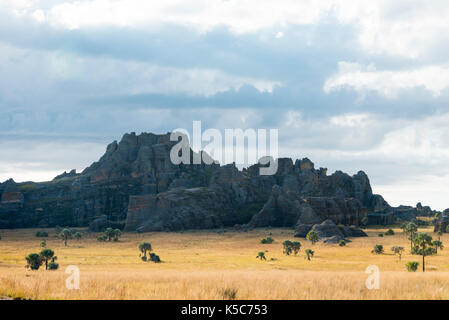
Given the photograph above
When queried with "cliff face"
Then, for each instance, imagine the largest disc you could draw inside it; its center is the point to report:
(135, 185)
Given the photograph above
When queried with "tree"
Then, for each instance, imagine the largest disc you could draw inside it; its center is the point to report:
(43, 244)
(288, 247)
(389, 232)
(34, 261)
(65, 235)
(46, 255)
(112, 234)
(411, 229)
(423, 246)
(117, 234)
(398, 250)
(296, 246)
(437, 244)
(342, 243)
(313, 236)
(261, 256)
(101, 238)
(145, 247)
(378, 249)
(412, 266)
(78, 236)
(309, 253)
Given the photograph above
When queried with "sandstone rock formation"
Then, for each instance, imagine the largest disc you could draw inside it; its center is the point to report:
(136, 186)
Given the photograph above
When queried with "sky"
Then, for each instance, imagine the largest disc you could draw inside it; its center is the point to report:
(351, 84)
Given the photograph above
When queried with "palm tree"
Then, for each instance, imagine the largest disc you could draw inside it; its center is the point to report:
(65, 235)
(296, 246)
(437, 244)
(309, 253)
(313, 236)
(117, 234)
(46, 255)
(145, 247)
(261, 256)
(411, 229)
(423, 246)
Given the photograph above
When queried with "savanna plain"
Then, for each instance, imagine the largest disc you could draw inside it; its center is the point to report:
(220, 265)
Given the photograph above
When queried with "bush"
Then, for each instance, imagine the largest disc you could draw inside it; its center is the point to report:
(342, 243)
(34, 261)
(42, 234)
(412, 266)
(389, 232)
(154, 257)
(229, 294)
(267, 240)
(102, 238)
(380, 235)
(378, 249)
(53, 266)
(144, 258)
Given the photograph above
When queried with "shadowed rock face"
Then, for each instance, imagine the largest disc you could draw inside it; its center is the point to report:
(135, 185)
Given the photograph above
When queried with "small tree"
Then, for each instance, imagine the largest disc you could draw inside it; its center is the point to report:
(46, 255)
(65, 235)
(342, 243)
(145, 247)
(154, 257)
(411, 229)
(378, 249)
(43, 244)
(313, 236)
(288, 247)
(101, 238)
(261, 256)
(78, 236)
(398, 250)
(412, 266)
(309, 254)
(437, 244)
(423, 246)
(296, 246)
(109, 233)
(389, 232)
(34, 261)
(380, 235)
(117, 234)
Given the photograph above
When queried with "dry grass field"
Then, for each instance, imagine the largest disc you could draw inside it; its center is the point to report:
(203, 264)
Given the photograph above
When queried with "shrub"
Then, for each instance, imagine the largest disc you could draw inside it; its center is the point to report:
(43, 244)
(154, 257)
(34, 261)
(145, 247)
(312, 236)
(296, 246)
(41, 234)
(78, 235)
(309, 253)
(342, 243)
(261, 256)
(288, 247)
(267, 240)
(53, 266)
(412, 266)
(102, 238)
(389, 232)
(380, 235)
(378, 249)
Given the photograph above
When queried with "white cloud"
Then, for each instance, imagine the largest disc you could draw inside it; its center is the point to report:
(388, 83)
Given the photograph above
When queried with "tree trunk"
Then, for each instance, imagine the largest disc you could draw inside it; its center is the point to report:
(423, 266)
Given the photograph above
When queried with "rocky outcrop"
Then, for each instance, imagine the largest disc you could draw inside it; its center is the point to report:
(329, 232)
(135, 185)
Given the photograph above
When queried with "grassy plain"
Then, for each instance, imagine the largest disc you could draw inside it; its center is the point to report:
(203, 264)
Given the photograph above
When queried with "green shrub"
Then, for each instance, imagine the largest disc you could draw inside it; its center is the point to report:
(380, 235)
(42, 234)
(53, 266)
(267, 240)
(389, 232)
(34, 261)
(342, 243)
(102, 238)
(154, 257)
(412, 266)
(378, 249)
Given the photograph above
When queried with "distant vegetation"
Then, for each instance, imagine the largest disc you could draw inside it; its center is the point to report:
(267, 240)
(42, 234)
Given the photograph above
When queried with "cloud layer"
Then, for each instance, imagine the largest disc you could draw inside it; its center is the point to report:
(350, 84)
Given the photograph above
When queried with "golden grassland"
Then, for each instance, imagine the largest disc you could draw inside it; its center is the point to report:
(203, 264)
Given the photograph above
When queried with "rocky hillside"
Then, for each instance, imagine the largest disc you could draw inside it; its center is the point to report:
(135, 186)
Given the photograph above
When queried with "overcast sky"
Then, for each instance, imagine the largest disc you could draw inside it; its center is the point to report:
(353, 85)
